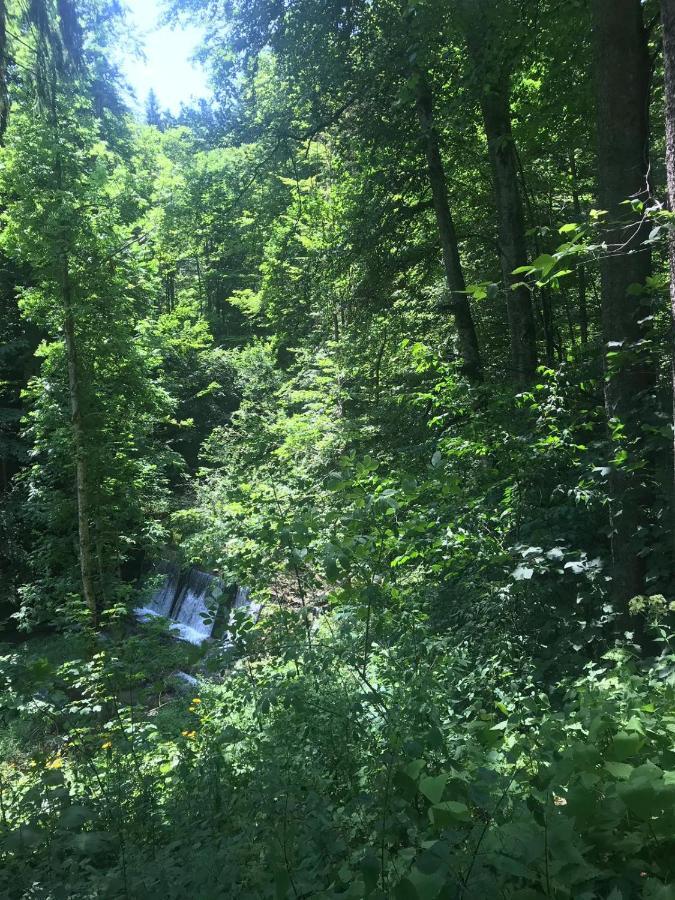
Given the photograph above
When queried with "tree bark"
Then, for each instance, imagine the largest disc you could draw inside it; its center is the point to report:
(496, 109)
(494, 90)
(4, 60)
(531, 220)
(623, 151)
(668, 31)
(549, 327)
(459, 301)
(79, 446)
(581, 271)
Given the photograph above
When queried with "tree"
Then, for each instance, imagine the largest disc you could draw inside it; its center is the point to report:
(459, 302)
(71, 218)
(668, 30)
(153, 113)
(4, 75)
(57, 55)
(361, 57)
(623, 163)
(492, 64)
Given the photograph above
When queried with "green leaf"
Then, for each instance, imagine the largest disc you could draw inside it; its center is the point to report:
(449, 813)
(433, 786)
(427, 886)
(419, 886)
(545, 263)
(414, 768)
(619, 769)
(624, 745)
(640, 797)
(477, 291)
(432, 857)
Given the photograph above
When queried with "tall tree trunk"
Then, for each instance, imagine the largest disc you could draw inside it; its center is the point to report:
(79, 446)
(668, 30)
(496, 109)
(581, 271)
(547, 317)
(82, 493)
(459, 301)
(494, 89)
(549, 327)
(4, 60)
(623, 151)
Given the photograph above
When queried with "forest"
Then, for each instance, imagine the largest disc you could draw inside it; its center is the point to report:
(359, 375)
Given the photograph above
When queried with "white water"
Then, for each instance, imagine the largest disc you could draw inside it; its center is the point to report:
(191, 613)
(185, 598)
(162, 599)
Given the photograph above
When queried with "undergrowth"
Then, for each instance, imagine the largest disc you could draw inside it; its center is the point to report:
(418, 775)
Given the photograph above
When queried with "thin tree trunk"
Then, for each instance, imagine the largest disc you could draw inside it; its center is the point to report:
(4, 91)
(79, 446)
(570, 321)
(668, 30)
(494, 89)
(623, 141)
(547, 316)
(583, 303)
(82, 483)
(75, 392)
(581, 272)
(549, 336)
(459, 301)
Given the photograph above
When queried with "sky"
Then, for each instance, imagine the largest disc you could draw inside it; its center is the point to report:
(167, 67)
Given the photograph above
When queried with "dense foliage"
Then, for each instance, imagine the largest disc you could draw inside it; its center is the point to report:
(383, 333)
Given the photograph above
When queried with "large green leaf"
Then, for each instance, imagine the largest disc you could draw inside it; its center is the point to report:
(433, 786)
(448, 813)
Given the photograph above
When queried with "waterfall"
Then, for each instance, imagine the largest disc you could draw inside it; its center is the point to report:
(163, 598)
(188, 598)
(193, 619)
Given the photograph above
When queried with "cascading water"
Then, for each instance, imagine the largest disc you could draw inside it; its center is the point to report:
(185, 597)
(163, 598)
(191, 613)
